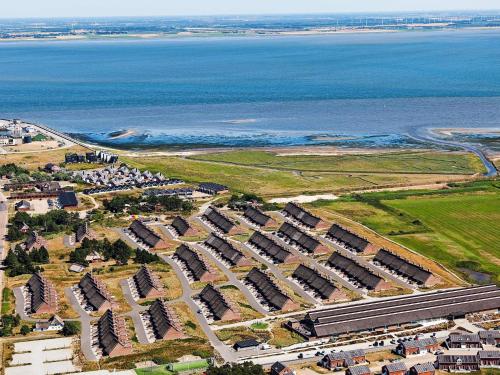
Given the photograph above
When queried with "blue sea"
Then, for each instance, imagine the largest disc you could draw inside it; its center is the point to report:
(371, 88)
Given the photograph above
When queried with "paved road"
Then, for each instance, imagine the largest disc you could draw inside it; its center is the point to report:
(226, 353)
(233, 280)
(86, 320)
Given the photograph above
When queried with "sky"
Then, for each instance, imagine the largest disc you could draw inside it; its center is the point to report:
(105, 8)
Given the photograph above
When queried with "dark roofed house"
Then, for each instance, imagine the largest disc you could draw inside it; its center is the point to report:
(84, 231)
(405, 268)
(221, 308)
(279, 368)
(220, 221)
(358, 370)
(303, 216)
(34, 242)
(68, 199)
(146, 235)
(354, 271)
(416, 347)
(343, 359)
(259, 218)
(350, 240)
(457, 363)
(199, 269)
(301, 239)
(182, 227)
(394, 368)
(491, 337)
(270, 248)
(55, 323)
(95, 293)
(458, 340)
(42, 295)
(488, 358)
(166, 325)
(422, 369)
(246, 345)
(212, 188)
(322, 287)
(112, 335)
(270, 291)
(22, 206)
(148, 284)
(226, 250)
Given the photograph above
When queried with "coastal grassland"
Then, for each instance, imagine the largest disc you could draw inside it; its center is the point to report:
(35, 160)
(457, 227)
(271, 182)
(383, 162)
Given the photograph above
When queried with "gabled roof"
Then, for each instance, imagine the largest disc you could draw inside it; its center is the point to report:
(192, 260)
(147, 236)
(463, 338)
(94, 290)
(270, 247)
(82, 231)
(146, 281)
(256, 216)
(314, 280)
(420, 343)
(218, 219)
(163, 318)
(215, 300)
(421, 368)
(352, 240)
(403, 266)
(301, 215)
(488, 354)
(302, 239)
(180, 225)
(453, 358)
(359, 370)
(267, 288)
(212, 186)
(68, 199)
(42, 292)
(224, 248)
(354, 270)
(396, 366)
(335, 356)
(112, 331)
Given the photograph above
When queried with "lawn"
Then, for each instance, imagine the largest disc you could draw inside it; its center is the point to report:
(318, 174)
(35, 160)
(457, 227)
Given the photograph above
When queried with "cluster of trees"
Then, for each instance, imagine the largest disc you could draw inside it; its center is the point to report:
(12, 170)
(70, 328)
(52, 222)
(241, 201)
(245, 368)
(144, 257)
(9, 322)
(136, 205)
(118, 250)
(20, 262)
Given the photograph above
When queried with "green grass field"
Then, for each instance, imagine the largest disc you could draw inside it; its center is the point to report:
(457, 227)
(270, 176)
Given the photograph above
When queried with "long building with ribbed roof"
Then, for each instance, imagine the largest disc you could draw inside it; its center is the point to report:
(220, 306)
(182, 227)
(322, 287)
(147, 284)
(226, 250)
(304, 217)
(147, 235)
(95, 293)
(350, 240)
(258, 218)
(198, 267)
(269, 291)
(165, 322)
(42, 295)
(405, 268)
(272, 249)
(302, 240)
(112, 335)
(220, 221)
(357, 273)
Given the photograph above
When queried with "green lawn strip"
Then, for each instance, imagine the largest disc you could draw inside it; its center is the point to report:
(6, 301)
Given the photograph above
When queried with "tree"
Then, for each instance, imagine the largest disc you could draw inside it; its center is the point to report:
(245, 368)
(70, 328)
(25, 330)
(14, 234)
(144, 257)
(121, 252)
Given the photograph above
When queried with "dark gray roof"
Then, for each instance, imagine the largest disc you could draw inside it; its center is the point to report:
(94, 291)
(336, 356)
(41, 292)
(464, 338)
(350, 239)
(218, 219)
(420, 343)
(299, 237)
(402, 266)
(277, 367)
(396, 366)
(267, 288)
(146, 281)
(68, 199)
(314, 280)
(82, 230)
(453, 358)
(301, 215)
(147, 236)
(180, 225)
(256, 216)
(488, 354)
(163, 319)
(250, 343)
(270, 247)
(401, 310)
(421, 368)
(354, 270)
(112, 331)
(215, 301)
(212, 186)
(224, 248)
(491, 334)
(359, 370)
(197, 267)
